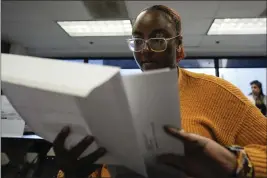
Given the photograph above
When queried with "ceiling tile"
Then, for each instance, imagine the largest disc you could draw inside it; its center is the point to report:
(99, 51)
(43, 42)
(45, 28)
(192, 40)
(105, 42)
(235, 41)
(197, 9)
(43, 10)
(194, 26)
(226, 51)
(240, 9)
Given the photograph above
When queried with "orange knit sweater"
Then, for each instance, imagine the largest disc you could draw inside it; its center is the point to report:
(216, 109)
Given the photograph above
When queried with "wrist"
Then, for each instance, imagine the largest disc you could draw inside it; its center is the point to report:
(232, 163)
(243, 166)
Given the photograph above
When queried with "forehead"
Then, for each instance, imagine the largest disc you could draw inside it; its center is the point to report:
(149, 21)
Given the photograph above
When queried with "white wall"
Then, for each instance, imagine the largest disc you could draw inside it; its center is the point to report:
(241, 77)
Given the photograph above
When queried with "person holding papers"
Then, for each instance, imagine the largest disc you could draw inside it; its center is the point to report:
(224, 135)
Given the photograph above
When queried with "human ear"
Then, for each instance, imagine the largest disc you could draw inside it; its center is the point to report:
(178, 51)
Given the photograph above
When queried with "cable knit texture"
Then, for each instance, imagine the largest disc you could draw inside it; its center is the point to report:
(214, 108)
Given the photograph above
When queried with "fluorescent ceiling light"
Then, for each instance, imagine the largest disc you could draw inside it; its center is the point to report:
(238, 26)
(97, 28)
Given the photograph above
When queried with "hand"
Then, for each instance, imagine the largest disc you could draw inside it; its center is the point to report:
(68, 159)
(204, 158)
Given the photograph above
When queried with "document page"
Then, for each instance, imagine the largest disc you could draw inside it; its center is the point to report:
(107, 113)
(154, 101)
(46, 93)
(12, 125)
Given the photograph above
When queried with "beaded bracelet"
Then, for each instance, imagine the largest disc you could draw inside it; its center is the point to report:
(244, 168)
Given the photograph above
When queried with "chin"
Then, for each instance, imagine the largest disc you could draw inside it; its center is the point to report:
(146, 67)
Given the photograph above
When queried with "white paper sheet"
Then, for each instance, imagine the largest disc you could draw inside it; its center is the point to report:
(47, 93)
(12, 124)
(153, 106)
(123, 113)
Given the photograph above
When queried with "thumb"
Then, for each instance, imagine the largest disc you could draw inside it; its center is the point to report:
(177, 133)
(185, 137)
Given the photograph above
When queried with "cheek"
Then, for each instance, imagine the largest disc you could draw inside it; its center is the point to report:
(171, 49)
(170, 54)
(137, 57)
(163, 57)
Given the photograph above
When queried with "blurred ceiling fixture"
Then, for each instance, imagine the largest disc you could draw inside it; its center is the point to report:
(238, 26)
(97, 28)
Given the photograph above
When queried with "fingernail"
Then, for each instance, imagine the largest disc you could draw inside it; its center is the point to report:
(89, 138)
(66, 129)
(172, 129)
(102, 150)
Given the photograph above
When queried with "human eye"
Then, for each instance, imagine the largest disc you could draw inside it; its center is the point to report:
(159, 35)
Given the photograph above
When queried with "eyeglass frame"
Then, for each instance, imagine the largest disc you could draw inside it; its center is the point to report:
(146, 43)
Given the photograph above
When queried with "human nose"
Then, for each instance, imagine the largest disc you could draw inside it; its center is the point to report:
(146, 47)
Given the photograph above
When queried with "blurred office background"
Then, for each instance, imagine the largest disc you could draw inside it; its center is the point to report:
(35, 28)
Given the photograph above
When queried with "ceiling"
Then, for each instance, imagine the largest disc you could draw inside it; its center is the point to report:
(32, 24)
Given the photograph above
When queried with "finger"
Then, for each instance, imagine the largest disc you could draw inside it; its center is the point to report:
(182, 135)
(61, 137)
(192, 142)
(176, 132)
(173, 160)
(93, 157)
(77, 150)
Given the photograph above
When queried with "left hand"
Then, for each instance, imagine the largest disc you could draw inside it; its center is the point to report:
(204, 158)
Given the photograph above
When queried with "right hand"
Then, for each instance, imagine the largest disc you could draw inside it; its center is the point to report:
(68, 161)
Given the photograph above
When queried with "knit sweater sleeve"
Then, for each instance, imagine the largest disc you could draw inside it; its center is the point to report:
(252, 136)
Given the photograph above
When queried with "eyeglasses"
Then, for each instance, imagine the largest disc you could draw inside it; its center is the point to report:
(155, 44)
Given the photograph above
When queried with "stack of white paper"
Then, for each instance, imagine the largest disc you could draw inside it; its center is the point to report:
(12, 124)
(125, 114)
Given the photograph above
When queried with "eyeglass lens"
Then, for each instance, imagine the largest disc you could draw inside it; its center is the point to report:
(156, 44)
